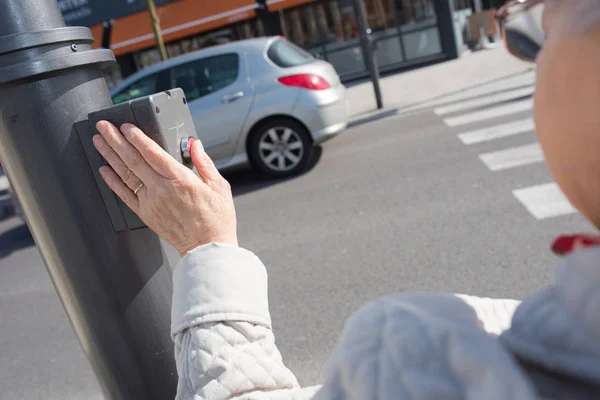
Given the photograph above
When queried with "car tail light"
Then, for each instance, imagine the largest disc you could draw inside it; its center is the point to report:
(305, 81)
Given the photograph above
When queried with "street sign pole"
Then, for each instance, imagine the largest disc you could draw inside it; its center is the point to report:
(115, 286)
(367, 44)
(156, 28)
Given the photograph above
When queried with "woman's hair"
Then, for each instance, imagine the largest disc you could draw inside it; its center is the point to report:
(574, 16)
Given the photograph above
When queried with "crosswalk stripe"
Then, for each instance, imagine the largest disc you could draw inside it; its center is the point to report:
(499, 111)
(497, 131)
(514, 83)
(513, 157)
(493, 99)
(544, 201)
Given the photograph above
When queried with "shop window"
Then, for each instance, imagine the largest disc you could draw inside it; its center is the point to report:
(320, 22)
(143, 87)
(380, 14)
(249, 29)
(463, 4)
(146, 58)
(205, 76)
(412, 12)
(328, 21)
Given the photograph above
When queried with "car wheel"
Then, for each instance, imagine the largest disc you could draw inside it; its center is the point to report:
(281, 148)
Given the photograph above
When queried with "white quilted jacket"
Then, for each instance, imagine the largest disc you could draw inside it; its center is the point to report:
(412, 346)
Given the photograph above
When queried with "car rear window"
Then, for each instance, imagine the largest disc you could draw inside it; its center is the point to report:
(286, 54)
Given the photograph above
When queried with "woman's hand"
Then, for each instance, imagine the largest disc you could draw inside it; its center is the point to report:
(183, 209)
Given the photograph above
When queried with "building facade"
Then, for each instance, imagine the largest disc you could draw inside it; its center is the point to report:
(406, 33)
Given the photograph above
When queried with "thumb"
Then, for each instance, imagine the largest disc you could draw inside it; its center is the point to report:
(203, 163)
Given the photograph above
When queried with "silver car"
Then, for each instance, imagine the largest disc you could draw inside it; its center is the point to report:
(263, 102)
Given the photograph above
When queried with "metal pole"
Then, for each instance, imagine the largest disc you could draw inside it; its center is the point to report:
(115, 287)
(156, 29)
(444, 10)
(368, 52)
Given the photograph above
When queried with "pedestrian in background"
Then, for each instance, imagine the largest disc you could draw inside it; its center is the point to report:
(408, 346)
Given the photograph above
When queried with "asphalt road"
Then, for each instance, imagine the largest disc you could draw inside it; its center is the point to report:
(399, 204)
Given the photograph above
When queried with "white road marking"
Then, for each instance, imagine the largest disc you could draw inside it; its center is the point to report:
(486, 101)
(499, 111)
(513, 157)
(504, 84)
(544, 201)
(497, 131)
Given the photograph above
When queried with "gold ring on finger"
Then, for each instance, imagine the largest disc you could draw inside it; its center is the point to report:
(137, 189)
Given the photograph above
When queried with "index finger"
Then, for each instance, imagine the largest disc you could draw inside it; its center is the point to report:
(125, 152)
(161, 161)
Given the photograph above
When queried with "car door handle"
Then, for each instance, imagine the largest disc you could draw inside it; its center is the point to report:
(230, 98)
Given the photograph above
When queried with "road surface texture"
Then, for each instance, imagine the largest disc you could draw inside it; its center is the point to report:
(451, 197)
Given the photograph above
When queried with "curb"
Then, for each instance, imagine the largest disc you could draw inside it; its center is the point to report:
(374, 116)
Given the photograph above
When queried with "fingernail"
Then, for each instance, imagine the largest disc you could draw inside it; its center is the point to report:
(126, 128)
(101, 127)
(190, 144)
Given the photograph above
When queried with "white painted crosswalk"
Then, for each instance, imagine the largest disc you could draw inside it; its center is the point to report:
(497, 131)
(490, 113)
(520, 81)
(475, 111)
(481, 102)
(544, 201)
(513, 157)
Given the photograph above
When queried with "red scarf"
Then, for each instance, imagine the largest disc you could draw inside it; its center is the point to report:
(566, 244)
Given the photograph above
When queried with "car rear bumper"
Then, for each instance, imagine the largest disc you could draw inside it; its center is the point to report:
(329, 132)
(325, 113)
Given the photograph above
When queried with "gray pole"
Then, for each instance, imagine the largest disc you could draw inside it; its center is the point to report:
(115, 287)
(367, 47)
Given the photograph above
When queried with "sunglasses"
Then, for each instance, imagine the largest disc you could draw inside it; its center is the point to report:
(520, 24)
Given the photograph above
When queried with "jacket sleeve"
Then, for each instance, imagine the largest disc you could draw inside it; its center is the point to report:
(220, 323)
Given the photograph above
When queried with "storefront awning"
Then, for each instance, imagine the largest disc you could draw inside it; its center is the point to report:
(275, 5)
(97, 32)
(177, 20)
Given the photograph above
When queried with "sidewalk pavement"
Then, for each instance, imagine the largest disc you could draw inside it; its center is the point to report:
(410, 88)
